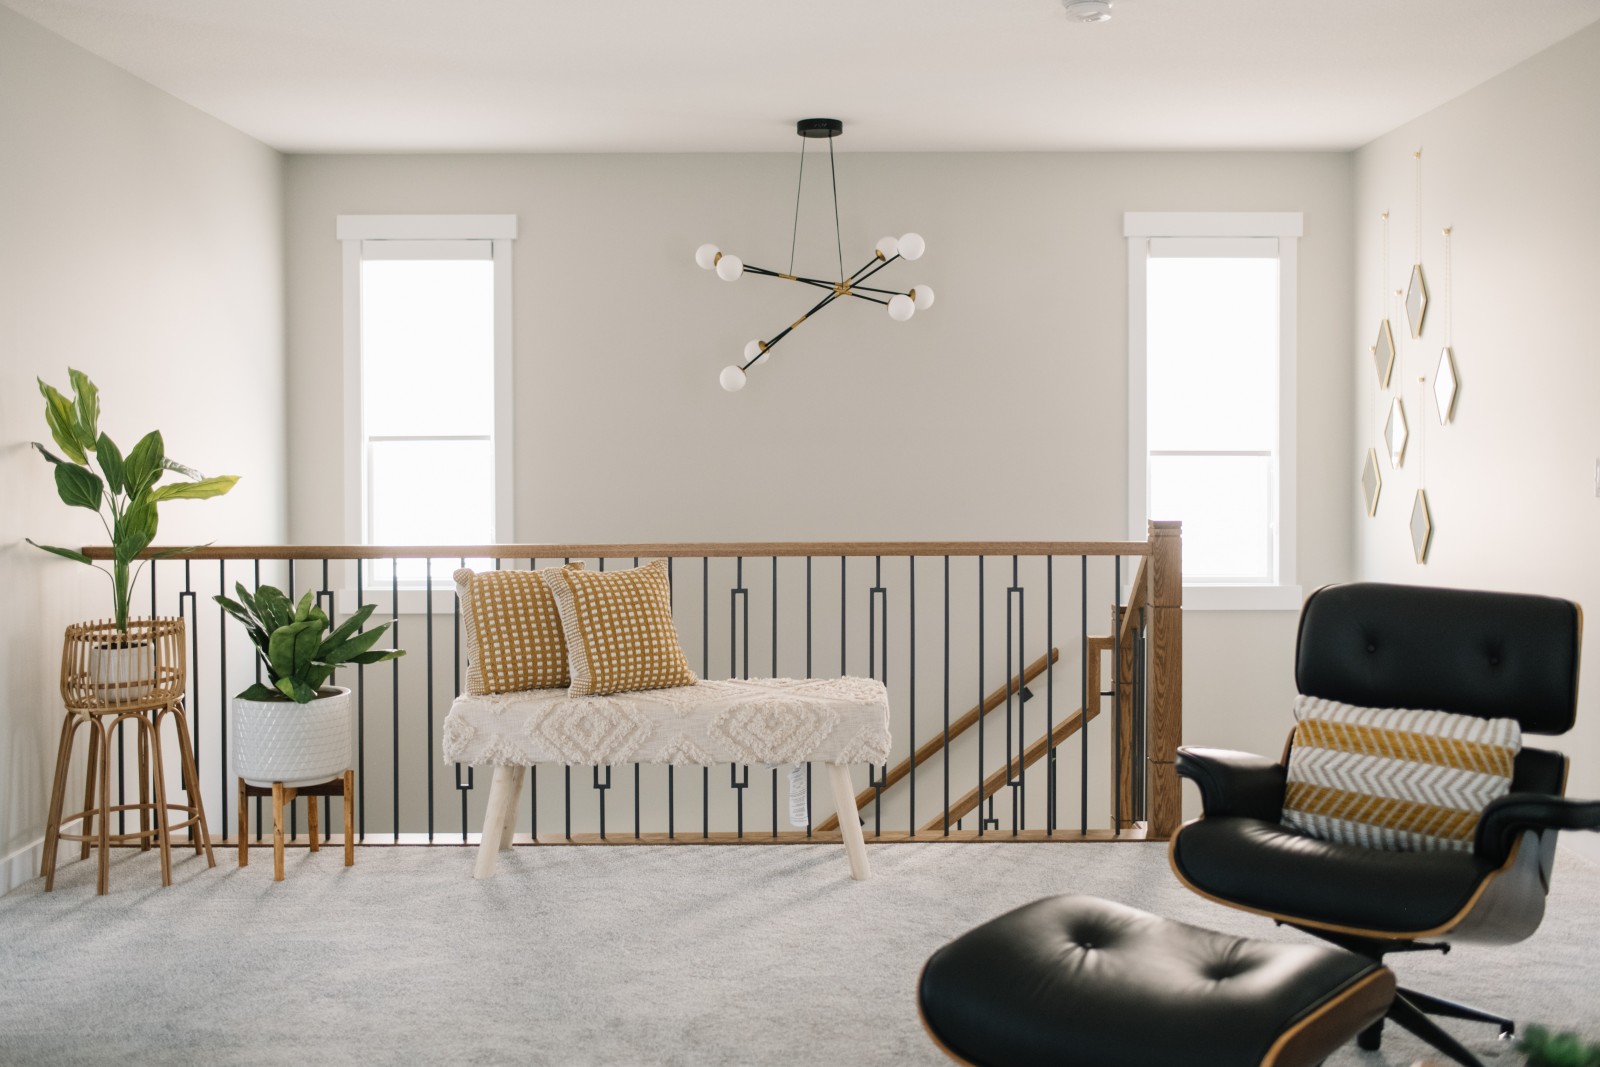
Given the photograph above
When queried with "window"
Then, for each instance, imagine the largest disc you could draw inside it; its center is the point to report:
(427, 376)
(1211, 329)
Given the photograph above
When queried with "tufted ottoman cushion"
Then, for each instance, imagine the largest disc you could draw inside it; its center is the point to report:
(1081, 981)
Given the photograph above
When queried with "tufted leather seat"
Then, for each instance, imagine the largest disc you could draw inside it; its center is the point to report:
(1079, 981)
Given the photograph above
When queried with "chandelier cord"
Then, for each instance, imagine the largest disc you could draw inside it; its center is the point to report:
(798, 185)
(838, 240)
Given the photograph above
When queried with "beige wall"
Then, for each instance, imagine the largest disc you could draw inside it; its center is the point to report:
(142, 244)
(1512, 167)
(999, 413)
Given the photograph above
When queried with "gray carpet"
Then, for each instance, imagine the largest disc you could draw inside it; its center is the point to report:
(648, 955)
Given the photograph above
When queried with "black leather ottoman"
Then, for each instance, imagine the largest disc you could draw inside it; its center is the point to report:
(1082, 981)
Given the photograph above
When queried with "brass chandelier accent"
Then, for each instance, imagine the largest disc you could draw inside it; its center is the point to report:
(901, 304)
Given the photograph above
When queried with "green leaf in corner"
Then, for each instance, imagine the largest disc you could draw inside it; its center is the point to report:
(78, 486)
(296, 690)
(62, 419)
(87, 407)
(110, 459)
(257, 691)
(142, 466)
(204, 489)
(66, 553)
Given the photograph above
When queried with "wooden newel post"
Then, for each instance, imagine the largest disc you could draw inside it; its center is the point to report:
(1166, 676)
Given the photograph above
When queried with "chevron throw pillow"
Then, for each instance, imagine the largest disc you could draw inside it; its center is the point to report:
(1394, 779)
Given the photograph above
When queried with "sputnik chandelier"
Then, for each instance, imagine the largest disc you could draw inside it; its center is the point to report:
(901, 304)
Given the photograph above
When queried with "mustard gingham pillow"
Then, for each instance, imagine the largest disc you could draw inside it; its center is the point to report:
(619, 630)
(514, 639)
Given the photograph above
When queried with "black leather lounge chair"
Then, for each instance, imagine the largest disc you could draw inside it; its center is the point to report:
(1388, 646)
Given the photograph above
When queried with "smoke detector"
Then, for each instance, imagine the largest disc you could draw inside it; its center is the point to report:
(1088, 10)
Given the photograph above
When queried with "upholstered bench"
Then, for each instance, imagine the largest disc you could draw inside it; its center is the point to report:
(1080, 981)
(835, 721)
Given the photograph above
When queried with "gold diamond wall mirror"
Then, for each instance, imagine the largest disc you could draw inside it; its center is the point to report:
(1371, 481)
(1395, 432)
(1421, 526)
(1383, 354)
(1416, 300)
(1445, 385)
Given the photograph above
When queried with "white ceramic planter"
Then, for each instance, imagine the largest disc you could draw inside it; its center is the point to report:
(122, 673)
(296, 744)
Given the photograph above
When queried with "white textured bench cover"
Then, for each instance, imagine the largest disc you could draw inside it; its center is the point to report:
(763, 721)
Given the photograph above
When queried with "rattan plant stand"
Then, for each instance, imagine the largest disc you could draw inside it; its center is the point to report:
(109, 677)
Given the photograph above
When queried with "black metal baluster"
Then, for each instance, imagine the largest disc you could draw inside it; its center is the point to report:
(672, 781)
(911, 646)
(1022, 702)
(601, 789)
(257, 663)
(734, 596)
(1012, 740)
(705, 672)
(222, 689)
(877, 652)
(981, 723)
(194, 710)
(394, 594)
(1116, 696)
(427, 631)
(361, 721)
(455, 637)
(1050, 694)
(946, 754)
(774, 675)
(1083, 719)
(809, 819)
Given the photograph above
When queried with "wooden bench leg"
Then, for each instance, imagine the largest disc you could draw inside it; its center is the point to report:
(502, 795)
(511, 809)
(277, 831)
(844, 801)
(349, 818)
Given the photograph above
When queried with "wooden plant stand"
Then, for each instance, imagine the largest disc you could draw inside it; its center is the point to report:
(342, 786)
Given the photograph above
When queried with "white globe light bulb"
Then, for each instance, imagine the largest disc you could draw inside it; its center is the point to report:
(923, 297)
(706, 256)
(901, 307)
(912, 246)
(889, 247)
(754, 354)
(732, 379)
(729, 267)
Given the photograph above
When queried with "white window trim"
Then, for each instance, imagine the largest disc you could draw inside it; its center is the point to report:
(352, 231)
(1139, 227)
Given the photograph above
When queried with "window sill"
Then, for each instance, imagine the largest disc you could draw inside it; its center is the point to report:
(1242, 598)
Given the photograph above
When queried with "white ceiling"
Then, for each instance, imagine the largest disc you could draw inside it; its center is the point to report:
(733, 75)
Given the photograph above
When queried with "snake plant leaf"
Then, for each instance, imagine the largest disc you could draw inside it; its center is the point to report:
(291, 648)
(79, 487)
(273, 608)
(87, 406)
(258, 636)
(302, 610)
(352, 648)
(135, 530)
(142, 466)
(109, 457)
(204, 489)
(348, 627)
(257, 691)
(296, 690)
(366, 659)
(64, 552)
(318, 674)
(62, 418)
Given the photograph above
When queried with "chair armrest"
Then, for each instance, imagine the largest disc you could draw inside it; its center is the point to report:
(1505, 820)
(1235, 783)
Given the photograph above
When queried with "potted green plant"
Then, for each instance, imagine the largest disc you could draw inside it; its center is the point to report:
(1545, 1048)
(297, 730)
(126, 496)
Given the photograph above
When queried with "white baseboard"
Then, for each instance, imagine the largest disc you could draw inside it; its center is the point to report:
(1583, 845)
(21, 867)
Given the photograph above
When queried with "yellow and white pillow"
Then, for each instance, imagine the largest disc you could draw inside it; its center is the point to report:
(1395, 779)
(514, 638)
(619, 630)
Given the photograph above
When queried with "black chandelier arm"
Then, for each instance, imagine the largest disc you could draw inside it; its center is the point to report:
(860, 277)
(765, 273)
(885, 292)
(874, 299)
(781, 334)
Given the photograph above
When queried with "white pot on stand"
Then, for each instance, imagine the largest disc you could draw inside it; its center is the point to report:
(296, 744)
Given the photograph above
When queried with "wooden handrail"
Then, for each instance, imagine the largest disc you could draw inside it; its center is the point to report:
(992, 784)
(668, 549)
(931, 748)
